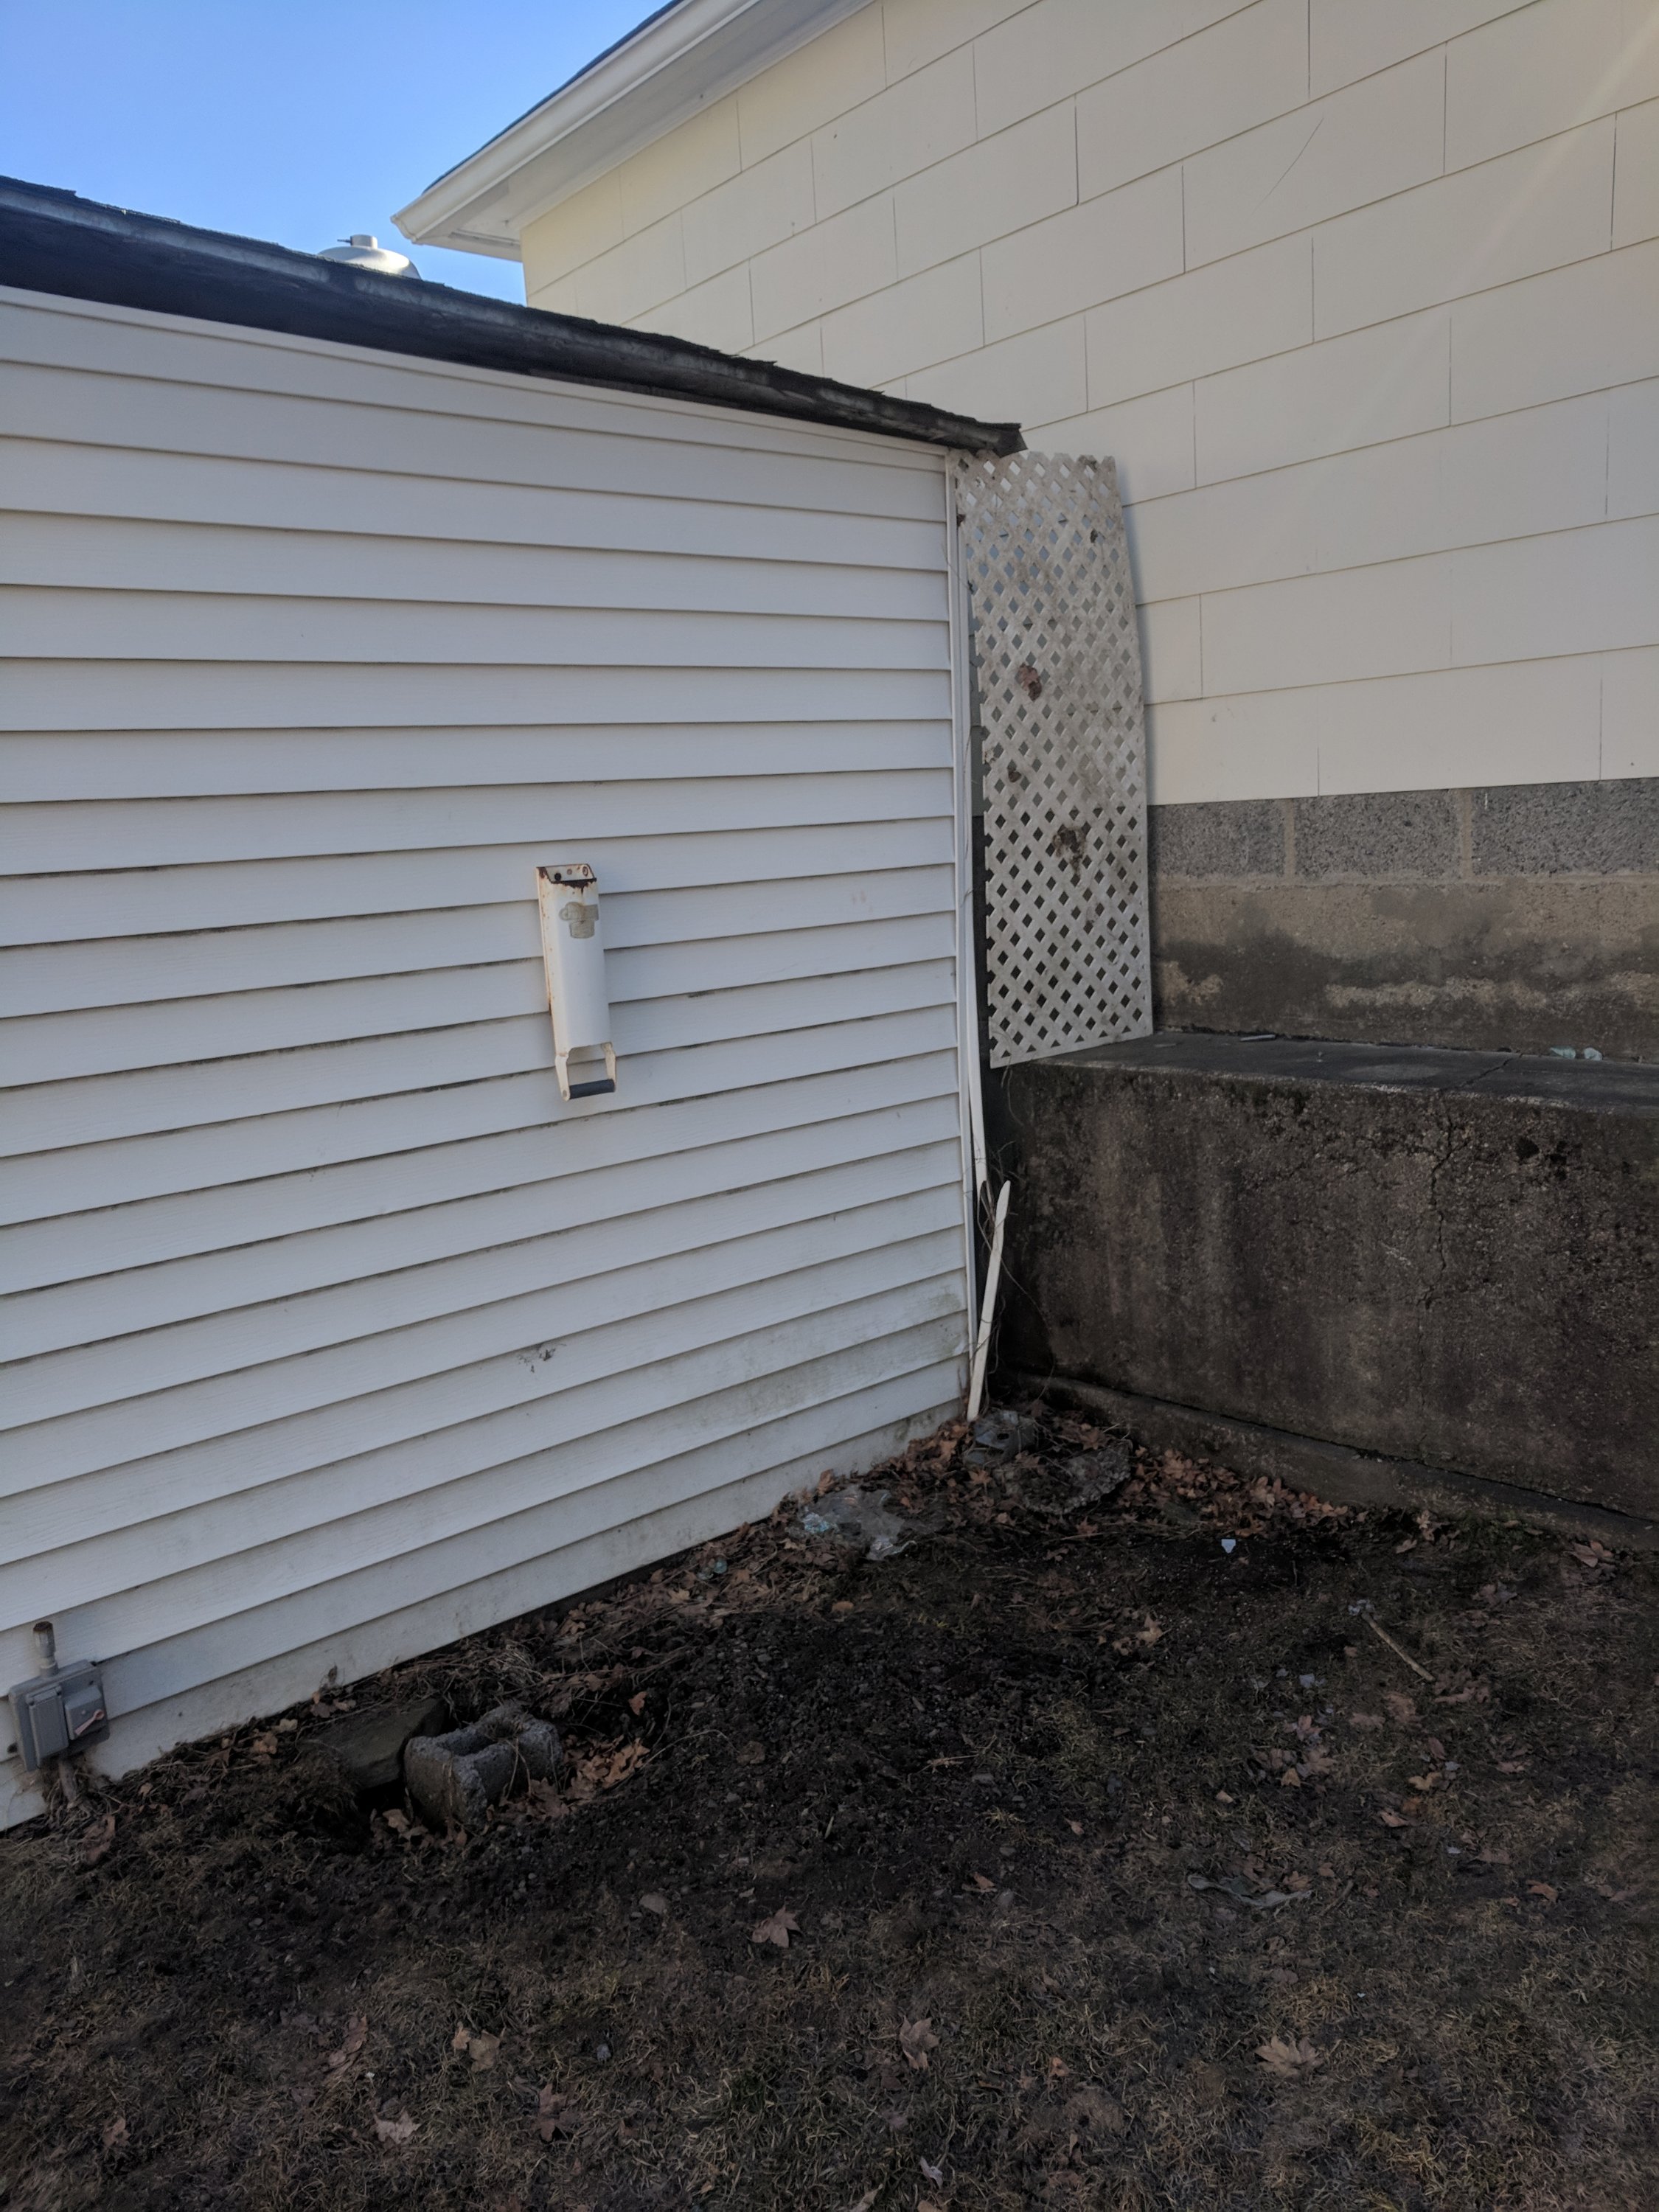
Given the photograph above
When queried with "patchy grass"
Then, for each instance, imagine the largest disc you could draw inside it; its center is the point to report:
(1028, 1792)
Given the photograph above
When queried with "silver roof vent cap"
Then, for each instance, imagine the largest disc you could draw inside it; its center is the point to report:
(362, 250)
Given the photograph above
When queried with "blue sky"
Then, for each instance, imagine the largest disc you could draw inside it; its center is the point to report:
(296, 120)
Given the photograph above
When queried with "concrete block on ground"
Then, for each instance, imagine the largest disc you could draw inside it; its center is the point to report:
(459, 1776)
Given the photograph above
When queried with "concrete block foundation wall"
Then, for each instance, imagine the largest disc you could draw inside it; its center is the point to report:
(1518, 917)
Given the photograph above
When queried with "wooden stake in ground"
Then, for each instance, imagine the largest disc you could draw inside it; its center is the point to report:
(1395, 1649)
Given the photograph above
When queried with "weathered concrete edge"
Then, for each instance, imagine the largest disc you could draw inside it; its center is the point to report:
(1330, 1470)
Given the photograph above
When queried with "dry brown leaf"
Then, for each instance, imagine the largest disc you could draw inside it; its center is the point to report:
(97, 1840)
(483, 2050)
(1402, 1708)
(981, 1881)
(553, 2115)
(624, 1762)
(1391, 1819)
(1604, 1888)
(1365, 1720)
(1513, 1765)
(395, 2131)
(115, 2132)
(543, 1802)
(1547, 1891)
(1058, 2070)
(356, 2032)
(778, 1929)
(637, 1704)
(916, 2038)
(1290, 2061)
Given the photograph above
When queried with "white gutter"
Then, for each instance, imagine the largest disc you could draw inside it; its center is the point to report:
(678, 62)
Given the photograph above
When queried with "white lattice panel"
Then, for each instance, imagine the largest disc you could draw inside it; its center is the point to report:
(1057, 663)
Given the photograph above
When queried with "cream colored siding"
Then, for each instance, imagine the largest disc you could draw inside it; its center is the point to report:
(1341, 283)
(333, 1334)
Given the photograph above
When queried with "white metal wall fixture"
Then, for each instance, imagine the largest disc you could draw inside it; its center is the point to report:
(573, 947)
(1057, 670)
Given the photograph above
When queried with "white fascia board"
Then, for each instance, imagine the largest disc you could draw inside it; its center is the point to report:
(677, 62)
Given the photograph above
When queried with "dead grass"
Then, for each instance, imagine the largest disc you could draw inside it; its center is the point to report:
(1034, 1785)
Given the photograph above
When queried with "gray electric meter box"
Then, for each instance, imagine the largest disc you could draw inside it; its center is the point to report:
(59, 1712)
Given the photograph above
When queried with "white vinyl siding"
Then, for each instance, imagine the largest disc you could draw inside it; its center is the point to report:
(333, 1334)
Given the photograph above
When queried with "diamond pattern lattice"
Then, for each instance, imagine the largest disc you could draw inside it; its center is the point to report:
(1057, 669)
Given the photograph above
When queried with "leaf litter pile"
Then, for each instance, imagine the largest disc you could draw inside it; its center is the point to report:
(1201, 1845)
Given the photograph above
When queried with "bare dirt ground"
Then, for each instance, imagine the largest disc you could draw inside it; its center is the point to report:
(1058, 1862)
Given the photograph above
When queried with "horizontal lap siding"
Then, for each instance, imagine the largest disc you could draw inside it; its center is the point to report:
(332, 1331)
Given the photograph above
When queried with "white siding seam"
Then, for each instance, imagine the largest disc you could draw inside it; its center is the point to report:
(1140, 177)
(1310, 230)
(1405, 674)
(1450, 552)
(1372, 445)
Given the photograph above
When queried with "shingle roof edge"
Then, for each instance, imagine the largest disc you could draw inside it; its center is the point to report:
(54, 241)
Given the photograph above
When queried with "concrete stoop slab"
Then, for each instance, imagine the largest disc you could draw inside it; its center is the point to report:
(1379, 1272)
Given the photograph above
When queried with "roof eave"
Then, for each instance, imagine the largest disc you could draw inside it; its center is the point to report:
(677, 62)
(51, 241)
